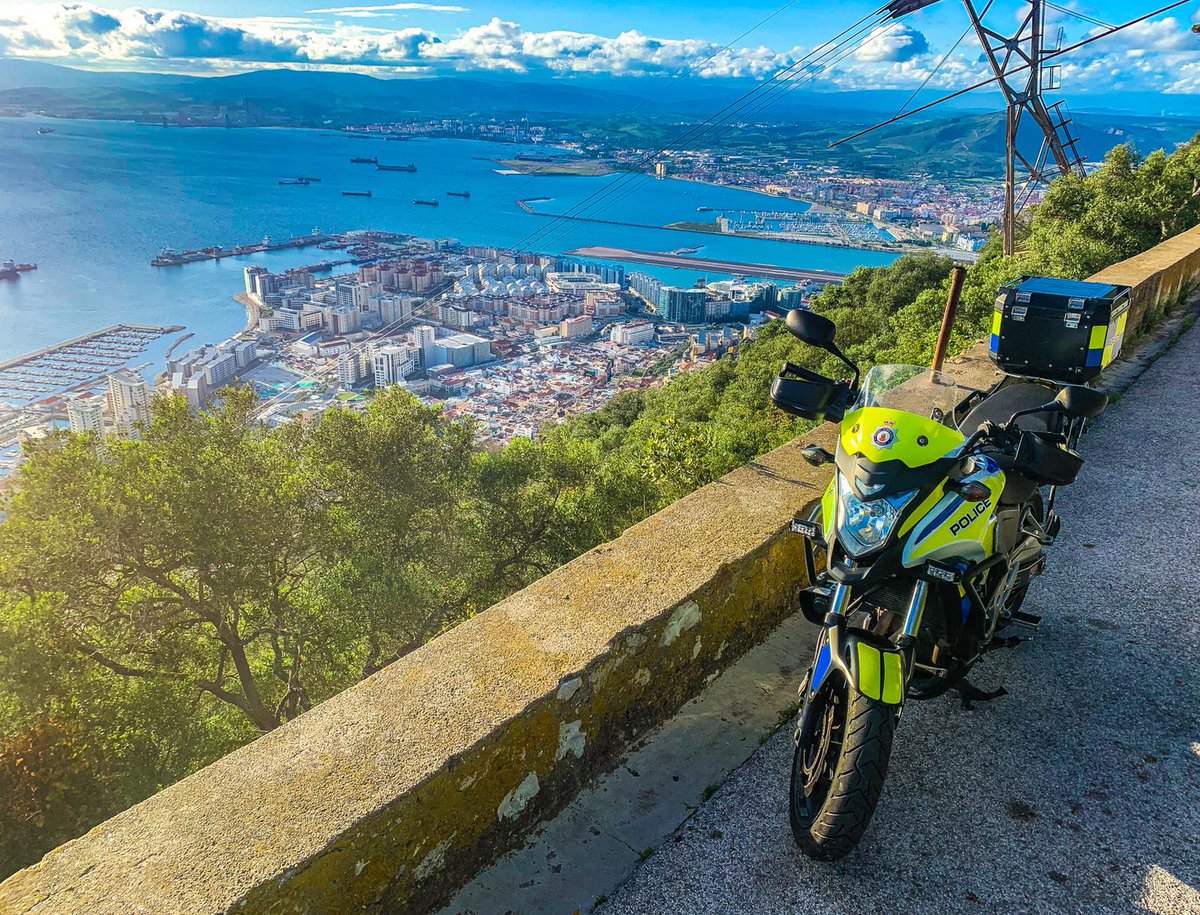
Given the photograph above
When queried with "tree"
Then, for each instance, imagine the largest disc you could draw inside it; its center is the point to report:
(392, 483)
(181, 558)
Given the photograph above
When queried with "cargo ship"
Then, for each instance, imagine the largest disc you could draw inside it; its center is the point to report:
(11, 271)
(396, 168)
(360, 160)
(356, 193)
(426, 203)
(304, 182)
(458, 193)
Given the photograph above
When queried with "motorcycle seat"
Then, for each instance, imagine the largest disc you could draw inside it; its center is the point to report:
(999, 408)
(1001, 405)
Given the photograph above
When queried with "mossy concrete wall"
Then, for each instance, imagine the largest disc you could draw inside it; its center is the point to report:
(390, 795)
(1160, 277)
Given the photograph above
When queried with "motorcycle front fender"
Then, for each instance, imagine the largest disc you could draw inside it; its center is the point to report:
(872, 666)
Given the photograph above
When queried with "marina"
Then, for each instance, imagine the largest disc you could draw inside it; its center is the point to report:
(75, 364)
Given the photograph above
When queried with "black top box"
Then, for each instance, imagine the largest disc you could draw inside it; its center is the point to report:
(1059, 330)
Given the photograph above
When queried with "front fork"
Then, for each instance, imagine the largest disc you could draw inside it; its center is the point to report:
(875, 666)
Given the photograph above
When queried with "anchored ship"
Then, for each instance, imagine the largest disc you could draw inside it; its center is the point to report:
(426, 203)
(361, 160)
(458, 193)
(294, 181)
(356, 193)
(396, 168)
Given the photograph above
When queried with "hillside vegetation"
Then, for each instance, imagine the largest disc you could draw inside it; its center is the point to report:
(164, 601)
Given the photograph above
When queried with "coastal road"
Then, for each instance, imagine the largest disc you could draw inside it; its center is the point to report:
(716, 266)
(1079, 792)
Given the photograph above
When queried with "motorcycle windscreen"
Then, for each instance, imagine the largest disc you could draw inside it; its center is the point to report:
(879, 434)
(903, 413)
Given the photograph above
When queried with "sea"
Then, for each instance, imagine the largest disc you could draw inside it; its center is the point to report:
(94, 201)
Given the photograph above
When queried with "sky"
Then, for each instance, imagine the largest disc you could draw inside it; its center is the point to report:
(599, 38)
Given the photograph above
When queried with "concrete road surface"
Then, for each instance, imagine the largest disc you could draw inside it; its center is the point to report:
(1077, 792)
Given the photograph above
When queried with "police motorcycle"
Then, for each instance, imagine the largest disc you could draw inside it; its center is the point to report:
(938, 515)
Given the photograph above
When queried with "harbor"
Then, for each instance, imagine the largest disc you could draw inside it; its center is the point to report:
(170, 258)
(76, 364)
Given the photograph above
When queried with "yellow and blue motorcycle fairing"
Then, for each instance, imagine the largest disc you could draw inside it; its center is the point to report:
(938, 525)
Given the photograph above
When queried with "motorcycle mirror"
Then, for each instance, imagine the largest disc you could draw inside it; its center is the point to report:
(813, 329)
(1077, 401)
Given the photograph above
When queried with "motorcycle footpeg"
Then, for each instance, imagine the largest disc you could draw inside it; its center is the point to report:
(1053, 527)
(1032, 620)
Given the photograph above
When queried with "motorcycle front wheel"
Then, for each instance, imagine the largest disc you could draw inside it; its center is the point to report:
(841, 760)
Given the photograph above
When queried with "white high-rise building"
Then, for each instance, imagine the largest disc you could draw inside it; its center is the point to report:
(350, 368)
(395, 308)
(392, 363)
(129, 401)
(424, 336)
(86, 414)
(341, 320)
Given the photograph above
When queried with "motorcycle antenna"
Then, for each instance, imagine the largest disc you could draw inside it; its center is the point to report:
(1021, 64)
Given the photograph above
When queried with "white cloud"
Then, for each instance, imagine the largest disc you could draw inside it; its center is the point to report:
(391, 7)
(897, 42)
(1161, 56)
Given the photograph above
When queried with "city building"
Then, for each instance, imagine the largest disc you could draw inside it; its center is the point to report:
(648, 287)
(458, 350)
(603, 304)
(579, 283)
(351, 369)
(392, 363)
(86, 415)
(202, 371)
(423, 336)
(576, 327)
(342, 320)
(683, 306)
(632, 334)
(792, 297)
(607, 273)
(128, 401)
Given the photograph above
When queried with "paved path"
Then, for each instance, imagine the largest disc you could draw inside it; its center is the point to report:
(1078, 792)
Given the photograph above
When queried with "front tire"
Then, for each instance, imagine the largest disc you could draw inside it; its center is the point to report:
(838, 770)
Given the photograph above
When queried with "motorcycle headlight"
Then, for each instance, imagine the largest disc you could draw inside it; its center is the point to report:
(866, 526)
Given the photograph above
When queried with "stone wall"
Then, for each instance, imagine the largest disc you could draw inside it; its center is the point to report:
(391, 794)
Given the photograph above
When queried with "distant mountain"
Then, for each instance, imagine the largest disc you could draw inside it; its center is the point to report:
(973, 145)
(586, 94)
(967, 141)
